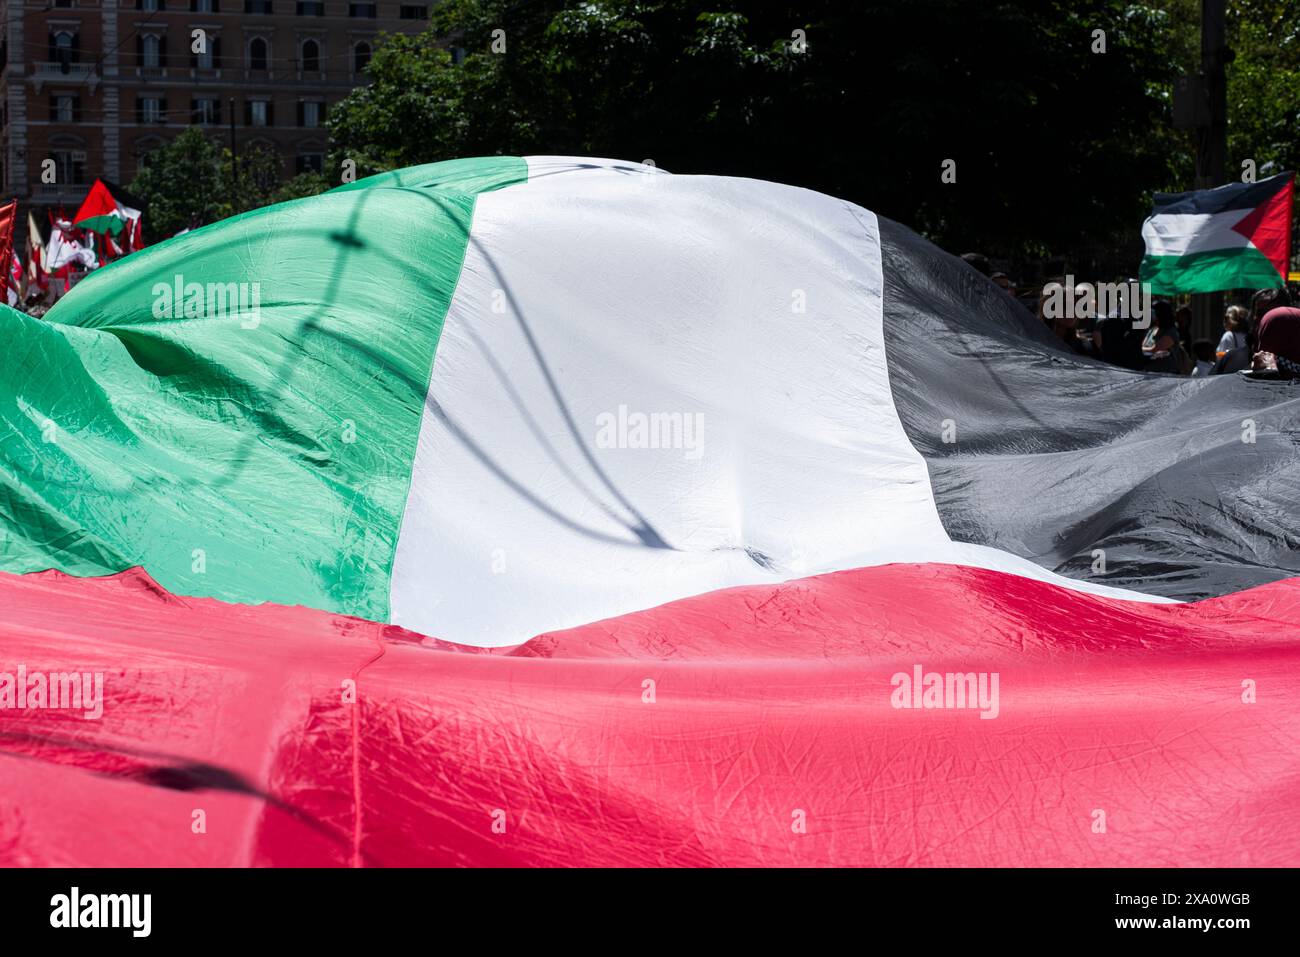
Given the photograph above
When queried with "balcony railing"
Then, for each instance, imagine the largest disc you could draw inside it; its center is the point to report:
(55, 190)
(66, 73)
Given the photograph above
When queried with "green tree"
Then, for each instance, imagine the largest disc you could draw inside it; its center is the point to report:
(181, 184)
(304, 184)
(187, 182)
(1053, 141)
(1263, 73)
(1264, 85)
(260, 172)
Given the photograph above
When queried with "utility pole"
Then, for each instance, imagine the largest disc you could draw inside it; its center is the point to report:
(1212, 142)
(234, 161)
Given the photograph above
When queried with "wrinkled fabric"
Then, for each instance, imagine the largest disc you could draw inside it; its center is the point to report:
(1186, 488)
(752, 726)
(236, 409)
(792, 719)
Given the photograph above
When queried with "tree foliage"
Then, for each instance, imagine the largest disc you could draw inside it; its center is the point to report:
(187, 182)
(1264, 85)
(1058, 146)
(1050, 138)
(181, 184)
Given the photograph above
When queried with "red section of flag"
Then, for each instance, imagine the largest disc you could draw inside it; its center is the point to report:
(1268, 227)
(756, 725)
(99, 202)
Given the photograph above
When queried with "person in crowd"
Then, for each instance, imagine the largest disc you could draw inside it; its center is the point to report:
(1279, 342)
(1241, 358)
(37, 303)
(1064, 327)
(1203, 353)
(1183, 318)
(1085, 305)
(1067, 330)
(1234, 331)
(1116, 341)
(1264, 301)
(979, 262)
(1003, 281)
(1044, 295)
(1162, 348)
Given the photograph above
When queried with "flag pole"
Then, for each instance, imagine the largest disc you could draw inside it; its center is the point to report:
(1212, 144)
(234, 158)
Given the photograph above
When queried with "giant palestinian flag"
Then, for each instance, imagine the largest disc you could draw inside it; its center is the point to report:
(562, 511)
(1234, 237)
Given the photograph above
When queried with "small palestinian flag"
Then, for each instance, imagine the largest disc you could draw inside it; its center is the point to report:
(101, 213)
(1234, 237)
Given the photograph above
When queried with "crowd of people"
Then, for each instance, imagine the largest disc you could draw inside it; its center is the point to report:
(1262, 335)
(1164, 343)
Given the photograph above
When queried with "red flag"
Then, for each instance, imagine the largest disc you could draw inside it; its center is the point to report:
(8, 214)
(98, 214)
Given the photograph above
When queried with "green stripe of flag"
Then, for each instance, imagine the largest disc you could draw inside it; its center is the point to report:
(103, 224)
(253, 453)
(1243, 267)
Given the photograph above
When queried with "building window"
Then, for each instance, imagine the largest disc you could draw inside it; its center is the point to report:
(360, 57)
(63, 3)
(65, 108)
(150, 109)
(310, 163)
(257, 54)
(210, 58)
(150, 5)
(311, 8)
(70, 167)
(151, 51)
(64, 48)
(257, 113)
(205, 111)
(205, 6)
(413, 11)
(257, 6)
(362, 11)
(310, 113)
(311, 56)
